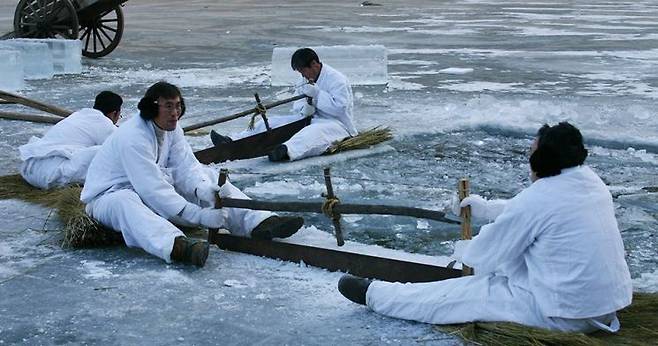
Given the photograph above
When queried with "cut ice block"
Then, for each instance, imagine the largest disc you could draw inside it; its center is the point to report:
(36, 56)
(67, 54)
(362, 65)
(11, 69)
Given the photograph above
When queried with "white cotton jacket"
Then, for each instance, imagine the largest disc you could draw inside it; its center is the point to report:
(335, 100)
(559, 240)
(129, 159)
(85, 128)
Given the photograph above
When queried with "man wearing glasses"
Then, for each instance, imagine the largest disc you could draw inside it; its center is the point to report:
(145, 178)
(62, 156)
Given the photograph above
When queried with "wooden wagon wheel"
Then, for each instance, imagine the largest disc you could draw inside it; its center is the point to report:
(101, 33)
(46, 19)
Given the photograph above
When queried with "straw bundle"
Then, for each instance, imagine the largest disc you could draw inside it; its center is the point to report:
(364, 139)
(14, 187)
(80, 230)
(639, 325)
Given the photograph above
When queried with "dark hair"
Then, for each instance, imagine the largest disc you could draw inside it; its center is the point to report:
(107, 102)
(558, 147)
(303, 57)
(148, 105)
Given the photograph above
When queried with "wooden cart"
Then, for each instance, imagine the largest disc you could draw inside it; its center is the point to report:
(97, 23)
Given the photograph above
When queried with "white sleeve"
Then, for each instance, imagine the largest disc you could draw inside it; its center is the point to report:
(186, 170)
(504, 240)
(148, 181)
(104, 131)
(334, 102)
(495, 207)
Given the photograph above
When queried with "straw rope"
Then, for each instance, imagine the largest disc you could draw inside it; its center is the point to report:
(260, 111)
(639, 326)
(328, 207)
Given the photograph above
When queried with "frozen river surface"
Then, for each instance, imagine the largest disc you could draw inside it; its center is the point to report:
(469, 84)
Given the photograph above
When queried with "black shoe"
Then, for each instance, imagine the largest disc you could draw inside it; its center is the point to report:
(354, 288)
(190, 251)
(218, 139)
(280, 153)
(277, 227)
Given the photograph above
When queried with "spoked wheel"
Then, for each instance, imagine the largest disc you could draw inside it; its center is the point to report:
(46, 19)
(102, 33)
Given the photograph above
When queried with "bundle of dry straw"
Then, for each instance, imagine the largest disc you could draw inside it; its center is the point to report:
(80, 230)
(364, 139)
(639, 325)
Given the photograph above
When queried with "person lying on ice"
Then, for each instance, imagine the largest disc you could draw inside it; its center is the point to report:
(553, 258)
(331, 108)
(145, 177)
(62, 156)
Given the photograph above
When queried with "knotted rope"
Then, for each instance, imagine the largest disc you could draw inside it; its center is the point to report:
(260, 111)
(328, 208)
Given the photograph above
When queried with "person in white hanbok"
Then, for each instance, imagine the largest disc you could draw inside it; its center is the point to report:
(62, 156)
(145, 178)
(552, 258)
(329, 102)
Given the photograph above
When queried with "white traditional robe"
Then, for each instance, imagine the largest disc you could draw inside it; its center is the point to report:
(63, 154)
(136, 185)
(332, 120)
(553, 258)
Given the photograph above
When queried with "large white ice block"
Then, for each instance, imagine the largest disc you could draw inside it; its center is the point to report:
(36, 56)
(363, 65)
(67, 54)
(11, 69)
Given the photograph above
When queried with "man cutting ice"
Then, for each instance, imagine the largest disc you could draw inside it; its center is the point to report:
(330, 105)
(553, 256)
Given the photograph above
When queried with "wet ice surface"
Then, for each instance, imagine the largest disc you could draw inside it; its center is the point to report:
(121, 296)
(469, 83)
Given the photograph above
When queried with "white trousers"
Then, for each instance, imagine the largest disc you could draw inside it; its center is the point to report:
(312, 140)
(55, 171)
(483, 298)
(122, 210)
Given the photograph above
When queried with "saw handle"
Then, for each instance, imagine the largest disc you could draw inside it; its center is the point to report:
(463, 188)
(221, 180)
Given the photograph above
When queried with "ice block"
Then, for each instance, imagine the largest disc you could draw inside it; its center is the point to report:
(36, 56)
(362, 65)
(11, 69)
(67, 54)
